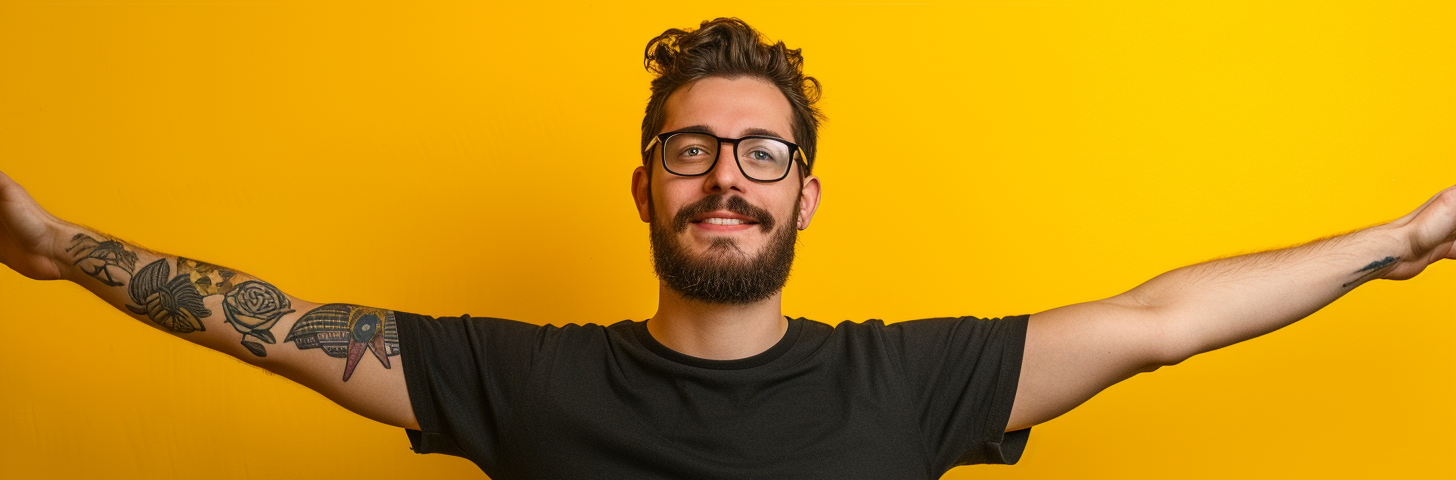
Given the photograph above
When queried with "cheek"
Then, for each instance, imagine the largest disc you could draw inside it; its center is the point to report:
(791, 211)
(660, 201)
(677, 191)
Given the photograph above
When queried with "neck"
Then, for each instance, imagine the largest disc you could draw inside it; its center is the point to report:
(717, 332)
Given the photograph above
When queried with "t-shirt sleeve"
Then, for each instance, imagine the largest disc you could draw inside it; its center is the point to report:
(962, 374)
(461, 374)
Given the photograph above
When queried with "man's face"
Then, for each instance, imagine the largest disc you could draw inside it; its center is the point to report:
(721, 237)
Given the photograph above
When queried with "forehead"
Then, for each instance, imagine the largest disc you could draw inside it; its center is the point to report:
(729, 107)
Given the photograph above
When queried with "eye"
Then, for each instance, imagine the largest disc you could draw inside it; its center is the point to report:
(761, 155)
(692, 151)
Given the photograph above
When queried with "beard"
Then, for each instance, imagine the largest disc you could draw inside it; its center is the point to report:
(727, 275)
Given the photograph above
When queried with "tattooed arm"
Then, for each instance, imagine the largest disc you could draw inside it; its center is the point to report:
(1073, 352)
(348, 353)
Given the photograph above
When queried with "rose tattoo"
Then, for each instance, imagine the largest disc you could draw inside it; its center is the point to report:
(252, 308)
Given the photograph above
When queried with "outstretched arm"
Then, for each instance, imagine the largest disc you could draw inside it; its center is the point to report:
(348, 353)
(1075, 351)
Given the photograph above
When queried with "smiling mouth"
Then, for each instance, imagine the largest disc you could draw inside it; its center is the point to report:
(725, 221)
(718, 212)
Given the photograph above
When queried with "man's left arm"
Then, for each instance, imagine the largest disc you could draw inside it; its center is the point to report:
(1075, 351)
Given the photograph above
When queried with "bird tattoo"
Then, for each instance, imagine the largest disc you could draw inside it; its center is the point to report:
(346, 331)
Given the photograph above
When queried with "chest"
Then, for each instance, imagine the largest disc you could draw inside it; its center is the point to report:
(817, 421)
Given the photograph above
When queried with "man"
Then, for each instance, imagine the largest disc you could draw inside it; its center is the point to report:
(718, 383)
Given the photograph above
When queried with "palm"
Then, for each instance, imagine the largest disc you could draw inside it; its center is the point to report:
(24, 234)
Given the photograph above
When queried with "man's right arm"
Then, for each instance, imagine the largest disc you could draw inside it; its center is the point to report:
(348, 353)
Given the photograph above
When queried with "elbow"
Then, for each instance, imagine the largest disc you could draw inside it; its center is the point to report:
(1171, 343)
(1158, 360)
(1160, 339)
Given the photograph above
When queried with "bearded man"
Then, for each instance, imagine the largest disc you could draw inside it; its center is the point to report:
(718, 383)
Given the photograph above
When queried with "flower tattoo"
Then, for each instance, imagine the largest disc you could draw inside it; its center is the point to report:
(174, 304)
(253, 307)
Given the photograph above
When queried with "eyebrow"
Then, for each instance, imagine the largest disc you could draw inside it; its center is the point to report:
(747, 132)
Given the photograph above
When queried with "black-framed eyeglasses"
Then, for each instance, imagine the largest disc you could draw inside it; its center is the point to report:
(760, 158)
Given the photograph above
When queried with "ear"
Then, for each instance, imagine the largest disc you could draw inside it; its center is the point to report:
(641, 192)
(808, 201)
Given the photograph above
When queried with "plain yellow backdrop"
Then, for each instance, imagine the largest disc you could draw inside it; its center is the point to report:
(990, 159)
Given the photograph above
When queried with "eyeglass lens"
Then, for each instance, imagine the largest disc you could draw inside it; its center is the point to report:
(760, 158)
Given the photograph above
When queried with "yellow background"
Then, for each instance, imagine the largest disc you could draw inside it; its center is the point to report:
(986, 159)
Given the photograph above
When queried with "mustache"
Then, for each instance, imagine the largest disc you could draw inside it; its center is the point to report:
(735, 204)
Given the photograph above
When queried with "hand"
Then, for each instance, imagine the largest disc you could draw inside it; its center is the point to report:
(1431, 230)
(27, 233)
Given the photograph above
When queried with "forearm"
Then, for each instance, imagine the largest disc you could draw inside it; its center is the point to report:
(216, 307)
(1075, 351)
(1221, 302)
(328, 348)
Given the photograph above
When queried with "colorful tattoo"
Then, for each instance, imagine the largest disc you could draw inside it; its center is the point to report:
(209, 279)
(108, 261)
(1372, 269)
(174, 304)
(345, 331)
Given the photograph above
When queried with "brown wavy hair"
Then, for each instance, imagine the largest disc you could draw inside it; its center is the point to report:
(728, 47)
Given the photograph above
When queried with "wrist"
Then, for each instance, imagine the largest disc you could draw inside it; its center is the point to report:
(1396, 241)
(1393, 239)
(54, 241)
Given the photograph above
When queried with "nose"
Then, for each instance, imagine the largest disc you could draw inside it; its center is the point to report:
(725, 175)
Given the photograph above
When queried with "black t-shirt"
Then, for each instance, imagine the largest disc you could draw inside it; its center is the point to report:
(867, 400)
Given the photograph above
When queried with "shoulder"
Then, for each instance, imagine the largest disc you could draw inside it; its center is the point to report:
(875, 324)
(928, 329)
(494, 330)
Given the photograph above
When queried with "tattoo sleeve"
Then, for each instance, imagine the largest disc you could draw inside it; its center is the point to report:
(175, 302)
(222, 309)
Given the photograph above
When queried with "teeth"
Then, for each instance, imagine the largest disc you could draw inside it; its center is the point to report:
(723, 221)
